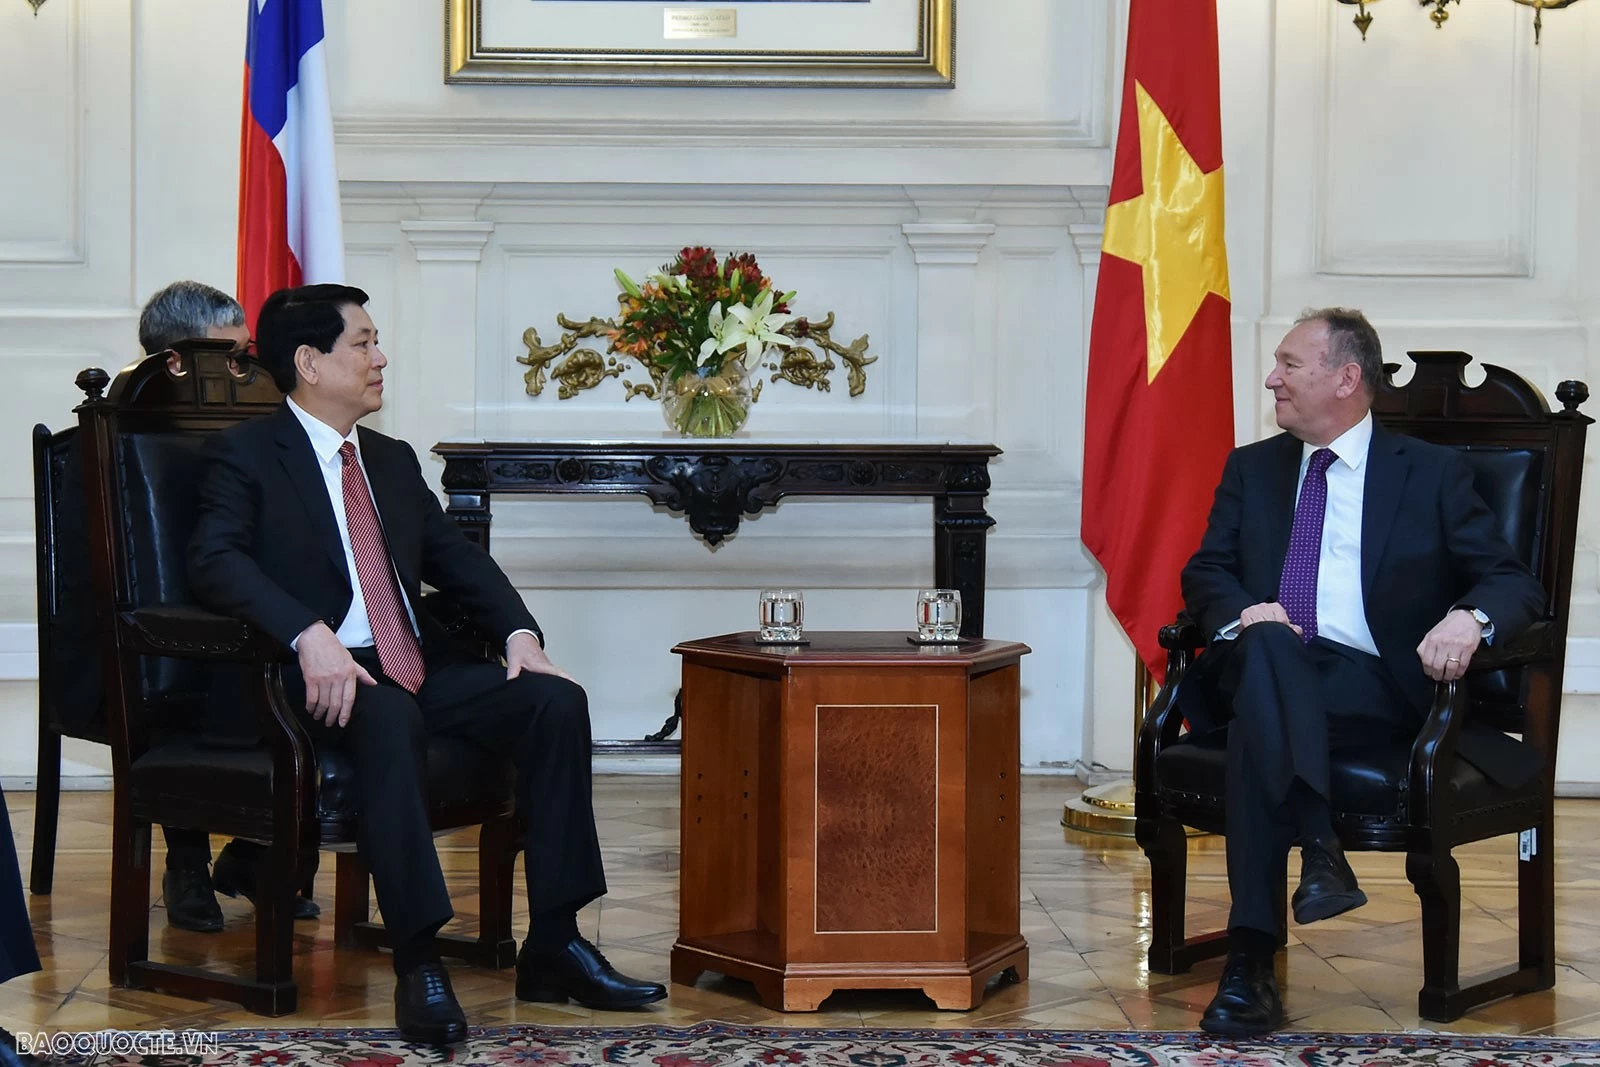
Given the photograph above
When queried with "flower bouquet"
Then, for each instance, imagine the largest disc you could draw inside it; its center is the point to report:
(701, 327)
(704, 325)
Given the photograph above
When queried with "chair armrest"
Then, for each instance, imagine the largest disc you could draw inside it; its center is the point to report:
(1435, 750)
(193, 633)
(1183, 633)
(1535, 643)
(1435, 747)
(1162, 722)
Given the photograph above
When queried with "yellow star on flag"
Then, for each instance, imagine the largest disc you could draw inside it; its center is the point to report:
(1173, 230)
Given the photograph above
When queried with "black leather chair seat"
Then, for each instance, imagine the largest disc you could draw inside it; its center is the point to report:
(1367, 782)
(184, 770)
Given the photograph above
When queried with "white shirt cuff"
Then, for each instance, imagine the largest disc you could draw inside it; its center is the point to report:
(1228, 632)
(514, 633)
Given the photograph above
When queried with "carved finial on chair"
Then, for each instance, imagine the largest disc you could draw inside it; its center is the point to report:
(93, 382)
(1571, 394)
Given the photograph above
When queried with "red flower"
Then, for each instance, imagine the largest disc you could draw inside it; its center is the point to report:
(973, 1055)
(750, 278)
(698, 262)
(782, 1055)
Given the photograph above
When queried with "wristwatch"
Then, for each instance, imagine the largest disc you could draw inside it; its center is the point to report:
(1476, 613)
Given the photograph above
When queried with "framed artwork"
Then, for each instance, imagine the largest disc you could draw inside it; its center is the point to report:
(841, 43)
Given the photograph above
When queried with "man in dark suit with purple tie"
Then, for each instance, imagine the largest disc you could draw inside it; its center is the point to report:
(1344, 571)
(321, 534)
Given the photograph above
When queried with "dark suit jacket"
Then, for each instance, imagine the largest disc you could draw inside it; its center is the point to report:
(1428, 544)
(17, 952)
(266, 546)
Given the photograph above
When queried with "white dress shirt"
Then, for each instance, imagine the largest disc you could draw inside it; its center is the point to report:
(1341, 609)
(355, 631)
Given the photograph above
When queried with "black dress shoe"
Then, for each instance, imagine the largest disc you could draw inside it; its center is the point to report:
(580, 973)
(234, 873)
(1327, 884)
(425, 1007)
(191, 905)
(1247, 1001)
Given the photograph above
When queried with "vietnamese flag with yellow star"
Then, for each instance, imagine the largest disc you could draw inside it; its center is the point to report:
(1159, 410)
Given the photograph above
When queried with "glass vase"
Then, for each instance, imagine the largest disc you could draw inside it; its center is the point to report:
(709, 405)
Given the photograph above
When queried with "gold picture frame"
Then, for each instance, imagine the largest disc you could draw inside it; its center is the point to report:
(903, 44)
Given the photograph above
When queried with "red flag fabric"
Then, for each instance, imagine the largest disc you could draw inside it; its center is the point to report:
(1159, 409)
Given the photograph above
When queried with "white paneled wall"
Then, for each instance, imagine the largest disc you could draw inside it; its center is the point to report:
(1440, 179)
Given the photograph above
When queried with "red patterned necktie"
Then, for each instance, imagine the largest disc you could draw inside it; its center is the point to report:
(398, 650)
(1297, 586)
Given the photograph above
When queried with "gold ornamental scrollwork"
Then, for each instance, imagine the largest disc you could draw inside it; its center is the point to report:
(577, 367)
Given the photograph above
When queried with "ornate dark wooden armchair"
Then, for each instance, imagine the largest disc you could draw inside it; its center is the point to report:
(1422, 800)
(70, 703)
(142, 457)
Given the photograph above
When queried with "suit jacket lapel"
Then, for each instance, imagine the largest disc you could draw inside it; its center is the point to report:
(386, 498)
(1386, 478)
(300, 462)
(1283, 476)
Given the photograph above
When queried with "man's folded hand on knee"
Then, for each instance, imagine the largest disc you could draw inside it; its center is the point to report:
(331, 675)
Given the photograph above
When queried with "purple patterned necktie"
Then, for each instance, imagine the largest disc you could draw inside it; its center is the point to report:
(1297, 587)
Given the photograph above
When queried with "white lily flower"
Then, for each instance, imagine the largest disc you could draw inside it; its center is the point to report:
(754, 328)
(720, 325)
(669, 282)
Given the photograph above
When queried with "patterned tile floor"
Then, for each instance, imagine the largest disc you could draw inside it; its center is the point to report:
(1085, 910)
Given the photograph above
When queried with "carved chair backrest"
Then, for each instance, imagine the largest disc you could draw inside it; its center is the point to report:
(70, 696)
(1527, 465)
(143, 444)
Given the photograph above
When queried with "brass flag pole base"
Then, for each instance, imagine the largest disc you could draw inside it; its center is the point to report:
(1108, 809)
(1104, 809)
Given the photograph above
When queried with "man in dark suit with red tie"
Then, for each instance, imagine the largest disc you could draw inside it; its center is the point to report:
(1345, 570)
(321, 533)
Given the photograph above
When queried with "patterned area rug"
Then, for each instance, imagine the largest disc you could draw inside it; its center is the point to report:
(717, 1045)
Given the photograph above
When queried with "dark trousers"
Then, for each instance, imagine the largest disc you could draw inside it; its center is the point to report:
(539, 720)
(1286, 706)
(189, 849)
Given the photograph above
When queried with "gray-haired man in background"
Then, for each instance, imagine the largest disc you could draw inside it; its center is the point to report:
(179, 312)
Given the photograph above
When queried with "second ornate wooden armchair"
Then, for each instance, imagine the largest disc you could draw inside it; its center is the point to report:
(142, 454)
(1421, 800)
(70, 702)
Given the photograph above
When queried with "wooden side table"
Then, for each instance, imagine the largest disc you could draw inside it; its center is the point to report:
(850, 816)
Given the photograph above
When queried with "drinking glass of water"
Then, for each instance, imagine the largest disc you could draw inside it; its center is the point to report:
(939, 615)
(783, 616)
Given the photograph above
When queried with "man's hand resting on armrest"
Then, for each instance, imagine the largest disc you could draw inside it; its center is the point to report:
(1270, 611)
(331, 675)
(1449, 646)
(524, 653)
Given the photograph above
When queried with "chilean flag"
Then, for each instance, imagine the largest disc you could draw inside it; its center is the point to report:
(289, 227)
